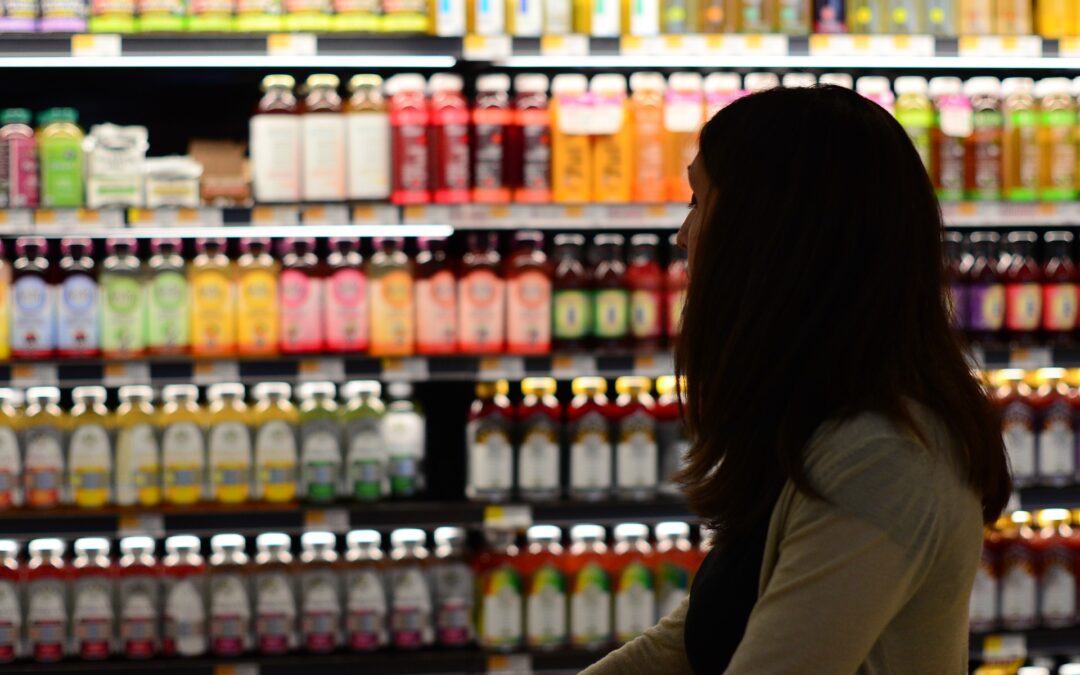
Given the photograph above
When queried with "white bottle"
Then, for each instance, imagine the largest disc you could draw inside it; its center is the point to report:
(528, 18)
(411, 619)
(365, 592)
(606, 19)
(92, 620)
(184, 602)
(137, 599)
(275, 143)
(489, 17)
(320, 593)
(450, 18)
(46, 601)
(323, 142)
(368, 130)
(230, 601)
(274, 604)
(452, 586)
(404, 435)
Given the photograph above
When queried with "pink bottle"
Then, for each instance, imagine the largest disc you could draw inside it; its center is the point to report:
(450, 162)
(18, 160)
(301, 297)
(346, 298)
(408, 139)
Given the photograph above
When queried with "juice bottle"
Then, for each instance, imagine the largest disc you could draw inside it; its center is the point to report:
(1057, 142)
(322, 127)
(954, 124)
(545, 589)
(450, 161)
(529, 144)
(168, 16)
(33, 302)
(5, 306)
(183, 444)
(528, 296)
(46, 591)
(986, 294)
(674, 565)
(721, 89)
(525, 18)
(644, 18)
(611, 301)
(844, 80)
(89, 457)
(499, 588)
(43, 448)
(486, 18)
(481, 297)
(409, 119)
(228, 444)
(684, 109)
(647, 114)
(1017, 424)
(230, 598)
(449, 18)
(487, 440)
(436, 299)
(1023, 290)
(275, 142)
(258, 312)
(183, 592)
(137, 599)
(301, 294)
(1020, 576)
(1060, 295)
(571, 295)
(636, 454)
(77, 317)
(588, 571)
(211, 278)
(346, 309)
(168, 304)
(392, 318)
(60, 150)
(274, 419)
(411, 621)
(1056, 440)
(320, 442)
(646, 283)
(915, 113)
(558, 17)
(367, 125)
(977, 17)
(11, 487)
(365, 454)
(212, 16)
(941, 17)
(675, 282)
(491, 120)
(320, 593)
(1055, 18)
(539, 419)
(365, 592)
(983, 155)
(19, 158)
(612, 139)
(755, 16)
(571, 168)
(797, 80)
(1057, 573)
(956, 257)
(984, 607)
(1020, 146)
(830, 16)
(138, 465)
(274, 602)
(11, 622)
(864, 16)
(876, 89)
(793, 16)
(599, 18)
(671, 438)
(589, 435)
(452, 588)
(403, 436)
(92, 619)
(1013, 17)
(123, 301)
(635, 597)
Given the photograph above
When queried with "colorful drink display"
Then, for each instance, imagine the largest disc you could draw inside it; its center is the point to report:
(224, 449)
(504, 595)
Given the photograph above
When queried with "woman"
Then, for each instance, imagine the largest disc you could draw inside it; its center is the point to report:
(842, 449)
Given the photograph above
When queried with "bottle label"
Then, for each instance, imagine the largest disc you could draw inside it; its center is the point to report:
(410, 621)
(257, 317)
(954, 116)
(365, 606)
(366, 460)
(61, 172)
(983, 608)
(275, 462)
(590, 453)
(324, 151)
(1060, 306)
(683, 112)
(1059, 125)
(636, 452)
(538, 461)
(436, 313)
(1057, 590)
(917, 122)
(137, 466)
(545, 608)
(230, 615)
(90, 465)
(122, 318)
(46, 619)
(590, 607)
(368, 154)
(185, 618)
(392, 314)
(23, 160)
(321, 611)
(501, 609)
(182, 455)
(138, 599)
(1024, 306)
(645, 314)
(31, 316)
(10, 622)
(403, 434)
(987, 305)
(275, 613)
(301, 312)
(985, 142)
(611, 316)
(347, 311)
(573, 314)
(635, 602)
(489, 133)
(410, 148)
(1018, 429)
(169, 310)
(1057, 443)
(536, 155)
(454, 593)
(1019, 588)
(77, 314)
(672, 444)
(213, 326)
(491, 458)
(229, 447)
(44, 470)
(92, 617)
(481, 306)
(321, 457)
(528, 322)
(10, 470)
(450, 129)
(672, 585)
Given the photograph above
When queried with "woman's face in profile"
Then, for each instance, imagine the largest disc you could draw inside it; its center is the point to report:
(700, 202)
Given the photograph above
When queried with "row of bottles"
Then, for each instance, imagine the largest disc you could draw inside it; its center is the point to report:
(1040, 665)
(591, 449)
(504, 596)
(221, 451)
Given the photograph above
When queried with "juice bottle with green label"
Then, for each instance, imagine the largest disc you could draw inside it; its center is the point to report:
(138, 464)
(675, 564)
(257, 305)
(571, 299)
(320, 442)
(211, 278)
(274, 420)
(611, 299)
(168, 307)
(1057, 141)
(499, 587)
(123, 306)
(635, 592)
(1020, 143)
(915, 113)
(183, 444)
(11, 489)
(43, 448)
(60, 152)
(545, 588)
(228, 444)
(403, 435)
(89, 461)
(365, 454)
(588, 571)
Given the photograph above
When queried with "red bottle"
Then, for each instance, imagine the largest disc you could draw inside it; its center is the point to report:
(92, 598)
(571, 303)
(986, 294)
(488, 445)
(301, 297)
(675, 563)
(1018, 424)
(528, 296)
(409, 119)
(1023, 293)
(346, 299)
(10, 606)
(675, 282)
(450, 163)
(137, 598)
(611, 299)
(33, 301)
(634, 583)
(589, 571)
(491, 120)
(1020, 576)
(77, 307)
(1060, 297)
(436, 299)
(481, 297)
(636, 454)
(46, 600)
(646, 283)
(529, 157)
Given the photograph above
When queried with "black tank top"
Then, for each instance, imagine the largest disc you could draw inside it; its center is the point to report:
(724, 591)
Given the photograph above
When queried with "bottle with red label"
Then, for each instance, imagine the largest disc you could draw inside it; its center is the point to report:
(183, 594)
(1060, 296)
(411, 620)
(301, 297)
(500, 589)
(545, 588)
(450, 163)
(1020, 576)
(452, 587)
(33, 301)
(529, 156)
(1057, 569)
(1018, 424)
(274, 594)
(137, 598)
(958, 287)
(986, 294)
(92, 599)
(46, 600)
(19, 179)
(436, 299)
(366, 608)
(675, 282)
(230, 598)
(571, 289)
(320, 593)
(77, 308)
(611, 296)
(539, 460)
(646, 283)
(409, 119)
(346, 296)
(490, 475)
(1054, 403)
(528, 296)
(491, 119)
(11, 616)
(1023, 292)
(481, 297)
(589, 570)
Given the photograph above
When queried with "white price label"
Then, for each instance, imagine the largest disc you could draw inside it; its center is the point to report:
(1031, 357)
(564, 45)
(126, 372)
(203, 217)
(275, 215)
(508, 516)
(236, 669)
(211, 372)
(34, 375)
(376, 214)
(332, 214)
(1001, 45)
(501, 367)
(567, 367)
(16, 220)
(510, 664)
(321, 370)
(327, 520)
(409, 369)
(654, 365)
(1003, 648)
(487, 47)
(292, 44)
(144, 524)
(95, 45)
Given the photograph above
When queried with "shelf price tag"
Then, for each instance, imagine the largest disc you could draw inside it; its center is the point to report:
(375, 214)
(34, 374)
(1031, 357)
(292, 44)
(1004, 648)
(210, 372)
(327, 520)
(146, 524)
(16, 220)
(1001, 45)
(567, 367)
(653, 365)
(510, 664)
(126, 372)
(501, 367)
(321, 370)
(236, 669)
(95, 45)
(564, 45)
(275, 215)
(487, 47)
(634, 45)
(508, 516)
(1069, 47)
(410, 369)
(333, 214)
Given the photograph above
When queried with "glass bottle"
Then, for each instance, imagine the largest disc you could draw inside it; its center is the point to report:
(11, 606)
(230, 599)
(228, 444)
(183, 591)
(636, 454)
(275, 420)
(675, 564)
(213, 300)
(258, 304)
(452, 587)
(1060, 297)
(635, 600)
(411, 621)
(528, 296)
(986, 294)
(365, 453)
(137, 597)
(436, 299)
(481, 297)
(588, 571)
(676, 280)
(43, 448)
(90, 452)
(404, 433)
(500, 623)
(320, 442)
(301, 297)
(346, 311)
(33, 302)
(47, 619)
(611, 302)
(92, 620)
(275, 142)
(123, 305)
(320, 593)
(983, 154)
(368, 135)
(77, 308)
(545, 589)
(539, 423)
(274, 605)
(488, 444)
(138, 463)
(646, 283)
(168, 307)
(589, 437)
(572, 308)
(393, 327)
(11, 484)
(365, 591)
(183, 444)
(323, 141)
(1023, 291)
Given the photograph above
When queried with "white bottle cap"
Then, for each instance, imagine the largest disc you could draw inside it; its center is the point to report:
(946, 86)
(171, 392)
(38, 546)
(309, 389)
(182, 541)
(400, 390)
(609, 83)
(356, 387)
(94, 393)
(318, 540)
(672, 529)
(911, 84)
(569, 83)
(407, 535)
(531, 83)
(272, 540)
(872, 85)
(982, 86)
(493, 82)
(223, 389)
(49, 394)
(756, 82)
(447, 534)
(220, 542)
(138, 391)
(543, 533)
(647, 81)
(1053, 86)
(1011, 86)
(686, 81)
(405, 82)
(96, 544)
(137, 543)
(580, 532)
(631, 531)
(837, 80)
(440, 82)
(798, 80)
(363, 538)
(722, 82)
(268, 389)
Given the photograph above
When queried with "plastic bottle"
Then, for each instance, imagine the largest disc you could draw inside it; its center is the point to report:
(1019, 577)
(389, 274)
(676, 279)
(258, 317)
(323, 134)
(346, 311)
(672, 439)
(436, 299)
(183, 444)
(1057, 142)
(367, 125)
(230, 596)
(320, 442)
(33, 302)
(60, 148)
(954, 125)
(90, 452)
(491, 120)
(1023, 291)
(756, 16)
(647, 114)
(1013, 17)
(43, 448)
(674, 565)
(1017, 424)
(11, 616)
(525, 18)
(481, 297)
(138, 598)
(320, 593)
(123, 301)
(409, 119)
(530, 145)
(11, 482)
(571, 146)
(830, 16)
(986, 294)
(500, 589)
(228, 444)
(684, 109)
(876, 89)
(487, 440)
(1060, 296)
(274, 421)
(450, 153)
(77, 317)
(365, 453)
(571, 298)
(635, 600)
(211, 278)
(92, 619)
(404, 436)
(275, 142)
(19, 186)
(598, 19)
(1053, 402)
(274, 598)
(452, 588)
(1020, 144)
(366, 607)
(1057, 574)
(636, 453)
(47, 618)
(138, 464)
(612, 139)
(792, 16)
(983, 156)
(797, 80)
(1055, 18)
(589, 435)
(528, 296)
(589, 575)
(411, 621)
(977, 17)
(301, 291)
(168, 303)
(183, 591)
(611, 301)
(941, 17)
(545, 589)
(646, 293)
(673, 18)
(486, 18)
(915, 113)
(539, 424)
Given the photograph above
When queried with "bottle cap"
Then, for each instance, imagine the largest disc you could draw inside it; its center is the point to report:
(982, 86)
(278, 81)
(485, 390)
(444, 82)
(22, 244)
(225, 389)
(137, 545)
(95, 393)
(608, 240)
(722, 82)
(80, 245)
(91, 545)
(265, 390)
(543, 533)
(756, 82)
(569, 240)
(624, 531)
(946, 86)
(672, 530)
(16, 116)
(247, 243)
(686, 81)
(872, 85)
(298, 245)
(1011, 86)
(837, 80)
(173, 392)
(608, 83)
(539, 386)
(587, 532)
(449, 535)
(165, 244)
(58, 116)
(666, 385)
(47, 394)
(403, 82)
(493, 82)
(1022, 236)
(407, 535)
(356, 388)
(365, 80)
(312, 389)
(643, 240)
(798, 80)
(400, 390)
(569, 83)
(632, 383)
(323, 80)
(141, 392)
(223, 542)
(9, 548)
(911, 84)
(1058, 235)
(204, 243)
(182, 542)
(531, 83)
(357, 538)
(50, 545)
(1053, 86)
(586, 385)
(313, 540)
(268, 540)
(120, 245)
(647, 81)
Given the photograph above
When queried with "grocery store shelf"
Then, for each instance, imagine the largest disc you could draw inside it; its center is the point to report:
(1035, 498)
(1048, 642)
(228, 231)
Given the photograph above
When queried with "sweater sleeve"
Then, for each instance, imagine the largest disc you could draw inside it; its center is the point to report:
(657, 651)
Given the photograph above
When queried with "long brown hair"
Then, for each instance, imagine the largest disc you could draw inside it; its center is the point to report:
(817, 292)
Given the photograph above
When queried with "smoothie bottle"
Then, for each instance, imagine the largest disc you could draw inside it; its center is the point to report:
(43, 448)
(230, 596)
(588, 570)
(92, 619)
(954, 125)
(1053, 402)
(258, 310)
(367, 124)
(19, 185)
(486, 18)
(1055, 18)
(612, 139)
(453, 589)
(46, 591)
(90, 451)
(647, 115)
(404, 427)
(672, 439)
(320, 593)
(346, 311)
(1060, 298)
(77, 308)
(365, 454)
(436, 299)
(644, 18)
(275, 142)
(611, 299)
(1057, 140)
(123, 301)
(411, 620)
(274, 420)
(228, 445)
(684, 111)
(876, 89)
(529, 146)
(274, 595)
(11, 605)
(488, 444)
(300, 289)
(183, 592)
(499, 589)
(11, 486)
(1023, 291)
(482, 297)
(366, 608)
(646, 283)
(983, 147)
(450, 161)
(528, 296)
(320, 442)
(545, 589)
(675, 282)
(1020, 144)
(865, 16)
(986, 294)
(1013, 17)
(491, 120)
(183, 444)
(755, 16)
(941, 17)
(60, 151)
(571, 168)
(539, 425)
(389, 274)
(793, 16)
(409, 120)
(915, 113)
(1017, 424)
(168, 304)
(33, 301)
(674, 565)
(322, 127)
(211, 278)
(571, 295)
(636, 453)
(138, 598)
(977, 17)
(635, 594)
(589, 436)
(905, 17)
(1056, 544)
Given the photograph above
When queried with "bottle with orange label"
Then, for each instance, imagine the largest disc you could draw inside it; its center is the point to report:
(257, 299)
(684, 112)
(10, 459)
(612, 139)
(43, 447)
(481, 297)
(647, 113)
(571, 146)
(391, 293)
(528, 296)
(213, 300)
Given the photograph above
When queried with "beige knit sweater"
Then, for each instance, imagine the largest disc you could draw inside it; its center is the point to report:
(873, 581)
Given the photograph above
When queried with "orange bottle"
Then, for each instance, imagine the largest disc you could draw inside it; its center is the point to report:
(612, 139)
(647, 113)
(571, 149)
(684, 113)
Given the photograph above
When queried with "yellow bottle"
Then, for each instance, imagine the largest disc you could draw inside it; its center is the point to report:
(89, 448)
(612, 139)
(10, 418)
(183, 444)
(1020, 145)
(684, 113)
(571, 147)
(138, 464)
(257, 319)
(1014, 17)
(1056, 18)
(213, 300)
(647, 113)
(42, 427)
(229, 444)
(977, 17)
(274, 420)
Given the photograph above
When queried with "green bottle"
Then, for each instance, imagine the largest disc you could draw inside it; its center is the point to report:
(365, 453)
(60, 149)
(123, 301)
(320, 442)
